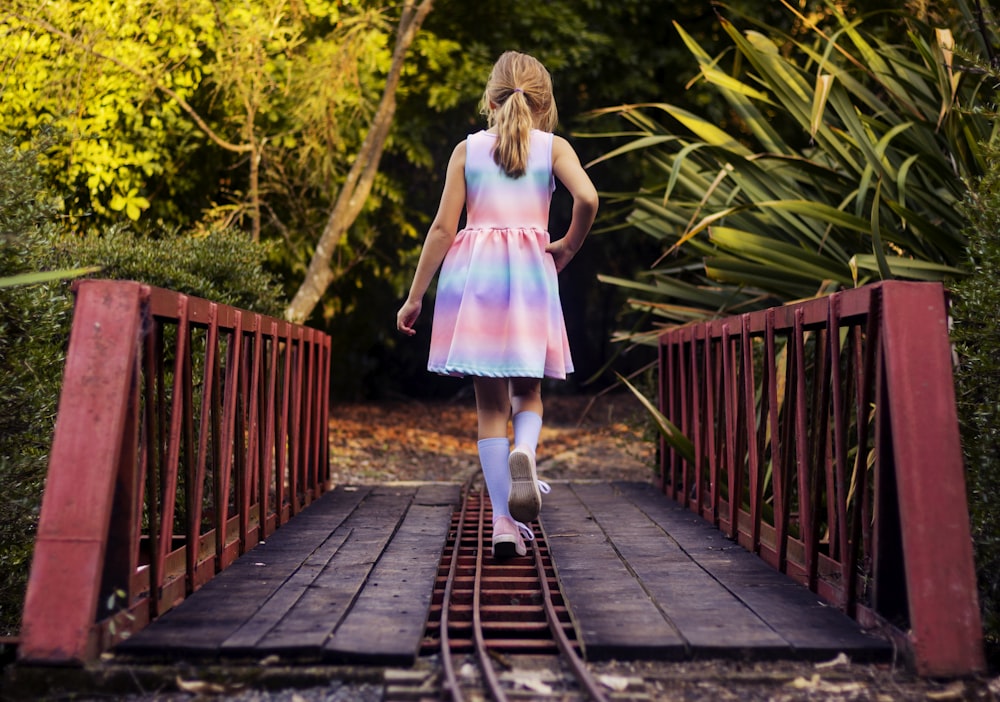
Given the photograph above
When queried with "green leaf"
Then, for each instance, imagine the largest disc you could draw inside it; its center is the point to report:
(671, 434)
(823, 83)
(793, 260)
(913, 269)
(45, 277)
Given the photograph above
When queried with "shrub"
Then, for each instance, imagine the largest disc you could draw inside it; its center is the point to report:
(976, 313)
(224, 266)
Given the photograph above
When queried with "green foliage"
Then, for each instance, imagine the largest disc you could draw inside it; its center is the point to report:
(976, 314)
(224, 266)
(860, 183)
(35, 321)
(122, 136)
(179, 111)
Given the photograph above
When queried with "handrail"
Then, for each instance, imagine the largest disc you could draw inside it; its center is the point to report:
(826, 441)
(187, 432)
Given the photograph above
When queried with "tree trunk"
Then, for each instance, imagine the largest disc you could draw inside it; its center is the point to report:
(360, 178)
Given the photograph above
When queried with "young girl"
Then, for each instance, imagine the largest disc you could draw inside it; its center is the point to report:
(497, 315)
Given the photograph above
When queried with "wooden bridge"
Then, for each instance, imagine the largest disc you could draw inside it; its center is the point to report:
(815, 505)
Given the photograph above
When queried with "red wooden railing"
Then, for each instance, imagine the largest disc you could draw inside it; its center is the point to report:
(826, 440)
(187, 432)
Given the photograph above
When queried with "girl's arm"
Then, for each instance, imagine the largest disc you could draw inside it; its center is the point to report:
(439, 238)
(567, 168)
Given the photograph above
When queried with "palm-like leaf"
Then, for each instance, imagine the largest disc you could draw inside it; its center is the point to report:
(862, 183)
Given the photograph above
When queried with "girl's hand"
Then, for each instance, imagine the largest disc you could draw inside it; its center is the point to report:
(407, 317)
(561, 252)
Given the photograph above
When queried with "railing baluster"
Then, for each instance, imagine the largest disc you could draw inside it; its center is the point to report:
(171, 467)
(837, 496)
(267, 445)
(697, 426)
(778, 461)
(668, 459)
(750, 431)
(729, 405)
(286, 475)
(803, 465)
(151, 465)
(684, 416)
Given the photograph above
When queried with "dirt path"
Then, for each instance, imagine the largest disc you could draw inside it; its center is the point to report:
(583, 438)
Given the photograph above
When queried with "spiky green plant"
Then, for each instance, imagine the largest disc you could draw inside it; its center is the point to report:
(843, 160)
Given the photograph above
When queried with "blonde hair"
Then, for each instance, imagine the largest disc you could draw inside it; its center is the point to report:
(518, 97)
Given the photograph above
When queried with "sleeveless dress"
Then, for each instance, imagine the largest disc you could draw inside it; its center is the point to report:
(497, 311)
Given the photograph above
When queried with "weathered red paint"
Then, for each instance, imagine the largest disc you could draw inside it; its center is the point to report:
(62, 595)
(126, 430)
(879, 353)
(940, 575)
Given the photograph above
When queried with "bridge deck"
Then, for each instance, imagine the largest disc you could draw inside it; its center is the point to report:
(350, 579)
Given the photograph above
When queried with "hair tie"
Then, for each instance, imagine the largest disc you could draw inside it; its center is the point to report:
(519, 90)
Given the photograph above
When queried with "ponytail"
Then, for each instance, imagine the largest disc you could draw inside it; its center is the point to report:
(514, 123)
(518, 97)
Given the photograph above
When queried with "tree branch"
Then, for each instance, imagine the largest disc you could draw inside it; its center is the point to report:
(358, 184)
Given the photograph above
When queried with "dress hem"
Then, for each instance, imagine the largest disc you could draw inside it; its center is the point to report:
(461, 372)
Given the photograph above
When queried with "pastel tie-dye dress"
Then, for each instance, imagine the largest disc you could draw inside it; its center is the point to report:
(497, 311)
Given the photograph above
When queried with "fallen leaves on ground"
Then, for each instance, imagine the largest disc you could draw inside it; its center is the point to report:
(583, 438)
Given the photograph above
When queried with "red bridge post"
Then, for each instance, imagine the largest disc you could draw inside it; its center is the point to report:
(930, 480)
(67, 567)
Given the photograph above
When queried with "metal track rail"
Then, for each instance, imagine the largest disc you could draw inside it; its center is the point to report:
(451, 685)
(496, 609)
(576, 664)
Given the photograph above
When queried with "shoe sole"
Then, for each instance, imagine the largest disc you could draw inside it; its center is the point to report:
(506, 549)
(525, 498)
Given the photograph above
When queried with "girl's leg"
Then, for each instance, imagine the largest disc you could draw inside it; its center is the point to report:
(526, 395)
(492, 407)
(526, 401)
(492, 411)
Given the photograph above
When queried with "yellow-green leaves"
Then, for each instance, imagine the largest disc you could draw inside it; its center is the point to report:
(89, 69)
(131, 203)
(143, 91)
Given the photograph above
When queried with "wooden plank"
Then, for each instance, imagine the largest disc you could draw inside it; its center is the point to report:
(321, 608)
(711, 619)
(201, 624)
(386, 624)
(444, 494)
(245, 639)
(813, 629)
(614, 617)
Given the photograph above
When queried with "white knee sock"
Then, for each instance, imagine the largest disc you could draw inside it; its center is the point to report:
(493, 458)
(527, 428)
